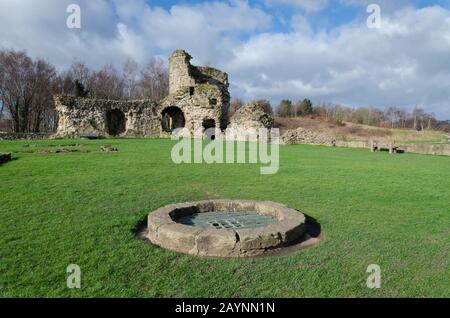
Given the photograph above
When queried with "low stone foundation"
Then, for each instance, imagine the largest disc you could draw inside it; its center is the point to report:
(303, 136)
(428, 149)
(24, 136)
(164, 230)
(353, 144)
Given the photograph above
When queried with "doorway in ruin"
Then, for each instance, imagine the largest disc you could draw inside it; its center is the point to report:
(207, 124)
(115, 122)
(172, 118)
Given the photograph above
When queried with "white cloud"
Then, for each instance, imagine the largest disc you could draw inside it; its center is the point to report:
(307, 5)
(300, 24)
(207, 30)
(405, 63)
(40, 28)
(111, 33)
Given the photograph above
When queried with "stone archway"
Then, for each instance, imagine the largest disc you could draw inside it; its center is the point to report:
(172, 118)
(208, 123)
(115, 122)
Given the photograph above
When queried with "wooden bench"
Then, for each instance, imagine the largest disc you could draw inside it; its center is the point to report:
(391, 147)
(90, 135)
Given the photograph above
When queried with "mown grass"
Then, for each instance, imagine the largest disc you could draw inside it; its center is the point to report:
(82, 207)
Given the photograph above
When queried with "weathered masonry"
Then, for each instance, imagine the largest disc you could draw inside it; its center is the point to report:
(198, 98)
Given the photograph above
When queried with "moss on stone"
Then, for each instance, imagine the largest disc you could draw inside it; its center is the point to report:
(205, 87)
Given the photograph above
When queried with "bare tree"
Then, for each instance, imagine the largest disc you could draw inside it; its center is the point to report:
(129, 76)
(265, 104)
(2, 108)
(392, 115)
(2, 103)
(285, 108)
(80, 72)
(235, 104)
(26, 89)
(43, 110)
(154, 81)
(70, 81)
(429, 119)
(303, 108)
(402, 117)
(107, 83)
(418, 115)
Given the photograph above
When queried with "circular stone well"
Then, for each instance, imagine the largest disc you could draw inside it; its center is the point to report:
(225, 228)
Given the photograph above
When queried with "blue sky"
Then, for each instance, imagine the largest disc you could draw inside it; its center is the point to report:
(334, 12)
(274, 49)
(343, 12)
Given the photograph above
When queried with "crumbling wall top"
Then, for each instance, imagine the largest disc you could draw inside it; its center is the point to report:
(71, 101)
(181, 53)
(253, 115)
(214, 74)
(183, 74)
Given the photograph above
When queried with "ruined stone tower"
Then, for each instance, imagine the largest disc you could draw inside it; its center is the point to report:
(179, 76)
(198, 99)
(199, 92)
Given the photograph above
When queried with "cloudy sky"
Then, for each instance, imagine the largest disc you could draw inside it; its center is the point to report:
(274, 49)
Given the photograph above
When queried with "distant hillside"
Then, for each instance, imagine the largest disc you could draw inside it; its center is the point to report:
(357, 132)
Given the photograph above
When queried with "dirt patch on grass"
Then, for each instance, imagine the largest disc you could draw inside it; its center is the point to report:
(37, 148)
(52, 146)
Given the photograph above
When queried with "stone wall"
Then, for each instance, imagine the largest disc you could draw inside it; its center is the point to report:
(23, 136)
(304, 136)
(428, 149)
(79, 115)
(353, 143)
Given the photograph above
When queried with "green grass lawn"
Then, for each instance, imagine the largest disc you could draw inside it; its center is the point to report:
(82, 207)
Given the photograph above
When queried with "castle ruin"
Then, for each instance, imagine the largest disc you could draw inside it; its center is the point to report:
(198, 98)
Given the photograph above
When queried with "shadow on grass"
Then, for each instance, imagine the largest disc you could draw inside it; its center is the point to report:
(2, 162)
(313, 227)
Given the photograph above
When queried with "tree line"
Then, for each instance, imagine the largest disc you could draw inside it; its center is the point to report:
(27, 87)
(392, 117)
